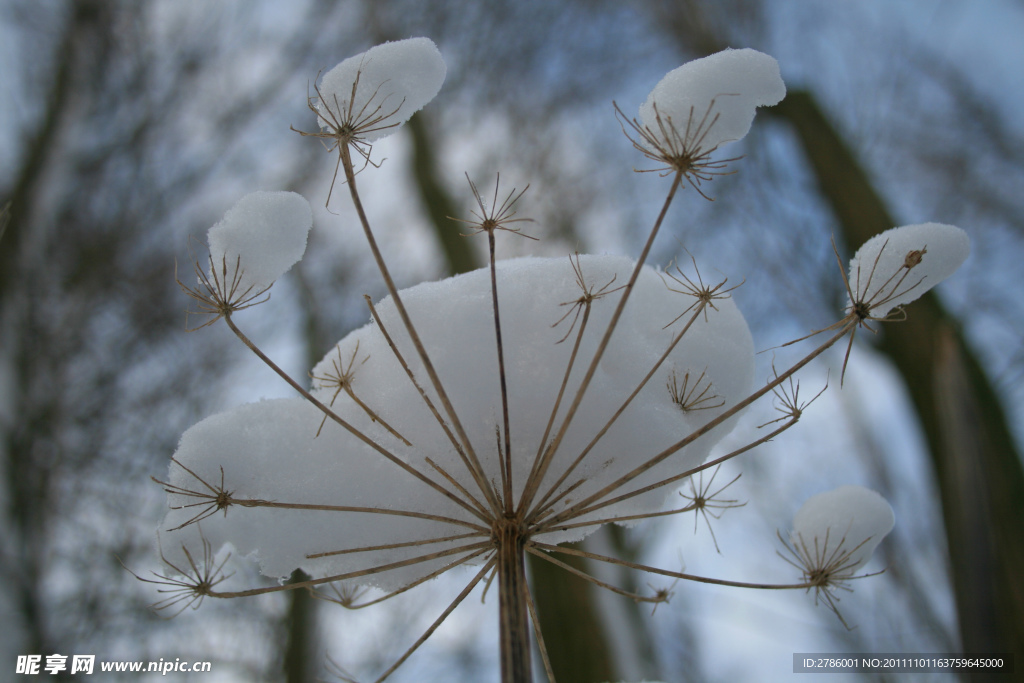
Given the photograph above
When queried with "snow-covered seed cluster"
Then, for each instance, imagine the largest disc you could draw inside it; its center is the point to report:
(710, 102)
(261, 236)
(899, 265)
(452, 430)
(375, 92)
(834, 534)
(270, 450)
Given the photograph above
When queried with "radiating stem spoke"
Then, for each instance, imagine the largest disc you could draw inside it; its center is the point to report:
(481, 482)
(440, 620)
(666, 572)
(551, 494)
(612, 323)
(506, 454)
(311, 583)
(418, 582)
(421, 350)
(574, 510)
(350, 428)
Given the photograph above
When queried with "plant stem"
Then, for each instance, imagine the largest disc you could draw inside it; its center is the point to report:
(477, 470)
(514, 614)
(505, 458)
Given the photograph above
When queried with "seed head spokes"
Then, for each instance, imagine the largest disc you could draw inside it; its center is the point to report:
(341, 378)
(211, 498)
(863, 304)
(342, 593)
(705, 501)
(219, 290)
(787, 399)
(342, 374)
(588, 296)
(690, 397)
(864, 300)
(187, 586)
(704, 295)
(828, 565)
(678, 150)
(498, 216)
(662, 595)
(342, 125)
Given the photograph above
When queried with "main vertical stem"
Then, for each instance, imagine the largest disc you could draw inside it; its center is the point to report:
(513, 611)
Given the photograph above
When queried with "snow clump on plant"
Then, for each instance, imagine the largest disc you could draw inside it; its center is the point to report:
(710, 102)
(264, 232)
(378, 90)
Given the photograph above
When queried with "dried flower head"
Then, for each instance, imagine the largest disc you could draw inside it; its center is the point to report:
(370, 95)
(701, 106)
(834, 534)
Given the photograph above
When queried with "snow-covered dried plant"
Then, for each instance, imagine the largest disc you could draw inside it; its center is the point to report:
(512, 409)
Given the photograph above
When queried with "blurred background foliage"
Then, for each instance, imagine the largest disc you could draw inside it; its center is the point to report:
(127, 127)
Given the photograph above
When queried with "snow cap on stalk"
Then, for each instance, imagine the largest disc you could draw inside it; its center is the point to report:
(711, 101)
(377, 91)
(263, 235)
(899, 265)
(840, 529)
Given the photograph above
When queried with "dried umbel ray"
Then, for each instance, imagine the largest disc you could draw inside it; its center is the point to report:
(458, 429)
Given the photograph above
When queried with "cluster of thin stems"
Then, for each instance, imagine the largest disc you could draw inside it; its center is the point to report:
(501, 528)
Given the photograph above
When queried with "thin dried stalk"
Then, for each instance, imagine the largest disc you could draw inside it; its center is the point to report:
(350, 604)
(440, 620)
(612, 324)
(552, 494)
(430, 405)
(350, 428)
(312, 583)
(693, 436)
(475, 468)
(587, 577)
(665, 572)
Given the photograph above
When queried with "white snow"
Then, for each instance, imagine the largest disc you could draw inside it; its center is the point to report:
(269, 450)
(395, 80)
(849, 519)
(899, 265)
(710, 102)
(264, 235)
